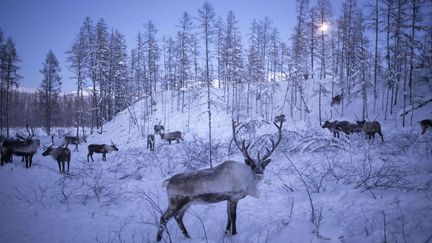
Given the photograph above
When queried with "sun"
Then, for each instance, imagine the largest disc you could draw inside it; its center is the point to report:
(324, 27)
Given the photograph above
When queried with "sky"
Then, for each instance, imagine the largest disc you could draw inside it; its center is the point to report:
(43, 25)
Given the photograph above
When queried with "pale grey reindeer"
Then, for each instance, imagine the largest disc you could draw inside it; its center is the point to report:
(73, 140)
(370, 128)
(100, 149)
(25, 147)
(59, 154)
(151, 142)
(230, 181)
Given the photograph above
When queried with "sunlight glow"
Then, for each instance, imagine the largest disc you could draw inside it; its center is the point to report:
(324, 27)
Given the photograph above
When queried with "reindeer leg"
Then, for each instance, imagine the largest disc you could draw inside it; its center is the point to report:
(26, 161)
(228, 227)
(30, 159)
(174, 207)
(233, 209)
(179, 219)
(76, 148)
(58, 162)
(168, 214)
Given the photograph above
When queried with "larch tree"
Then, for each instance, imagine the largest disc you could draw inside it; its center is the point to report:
(10, 76)
(102, 66)
(76, 57)
(300, 53)
(206, 19)
(185, 40)
(2, 60)
(49, 89)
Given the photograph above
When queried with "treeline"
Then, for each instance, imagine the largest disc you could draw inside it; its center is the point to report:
(367, 53)
(26, 110)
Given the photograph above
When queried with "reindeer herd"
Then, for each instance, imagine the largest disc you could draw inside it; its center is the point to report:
(229, 181)
(369, 128)
(168, 136)
(26, 147)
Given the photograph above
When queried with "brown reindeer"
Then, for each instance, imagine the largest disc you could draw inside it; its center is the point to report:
(100, 149)
(425, 124)
(336, 100)
(171, 136)
(61, 155)
(370, 128)
(332, 126)
(158, 129)
(151, 142)
(230, 181)
(344, 126)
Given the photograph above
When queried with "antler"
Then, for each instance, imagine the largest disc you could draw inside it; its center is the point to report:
(20, 137)
(47, 147)
(274, 145)
(32, 132)
(243, 148)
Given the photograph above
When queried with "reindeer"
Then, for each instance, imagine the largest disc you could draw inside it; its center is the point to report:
(158, 129)
(356, 128)
(336, 100)
(370, 128)
(150, 142)
(170, 136)
(332, 126)
(73, 140)
(425, 124)
(230, 181)
(61, 155)
(100, 149)
(25, 147)
(344, 126)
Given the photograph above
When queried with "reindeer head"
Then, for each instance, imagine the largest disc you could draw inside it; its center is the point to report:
(361, 123)
(114, 146)
(327, 123)
(259, 164)
(48, 150)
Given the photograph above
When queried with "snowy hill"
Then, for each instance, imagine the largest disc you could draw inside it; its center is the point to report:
(361, 191)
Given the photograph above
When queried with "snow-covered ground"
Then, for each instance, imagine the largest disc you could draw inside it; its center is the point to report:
(361, 191)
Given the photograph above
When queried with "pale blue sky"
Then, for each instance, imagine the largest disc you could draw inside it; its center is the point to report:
(38, 26)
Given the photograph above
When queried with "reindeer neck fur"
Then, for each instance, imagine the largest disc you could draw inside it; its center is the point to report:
(55, 152)
(228, 180)
(108, 148)
(24, 147)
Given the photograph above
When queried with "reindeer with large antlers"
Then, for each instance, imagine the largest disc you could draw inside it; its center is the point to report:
(25, 147)
(229, 181)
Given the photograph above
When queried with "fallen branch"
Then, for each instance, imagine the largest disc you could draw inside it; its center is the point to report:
(416, 107)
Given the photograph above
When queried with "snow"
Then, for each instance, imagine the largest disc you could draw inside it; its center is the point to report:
(357, 186)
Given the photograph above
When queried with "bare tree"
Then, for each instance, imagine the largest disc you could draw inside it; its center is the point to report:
(206, 18)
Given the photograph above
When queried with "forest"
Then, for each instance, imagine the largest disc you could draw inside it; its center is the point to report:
(375, 53)
(322, 137)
